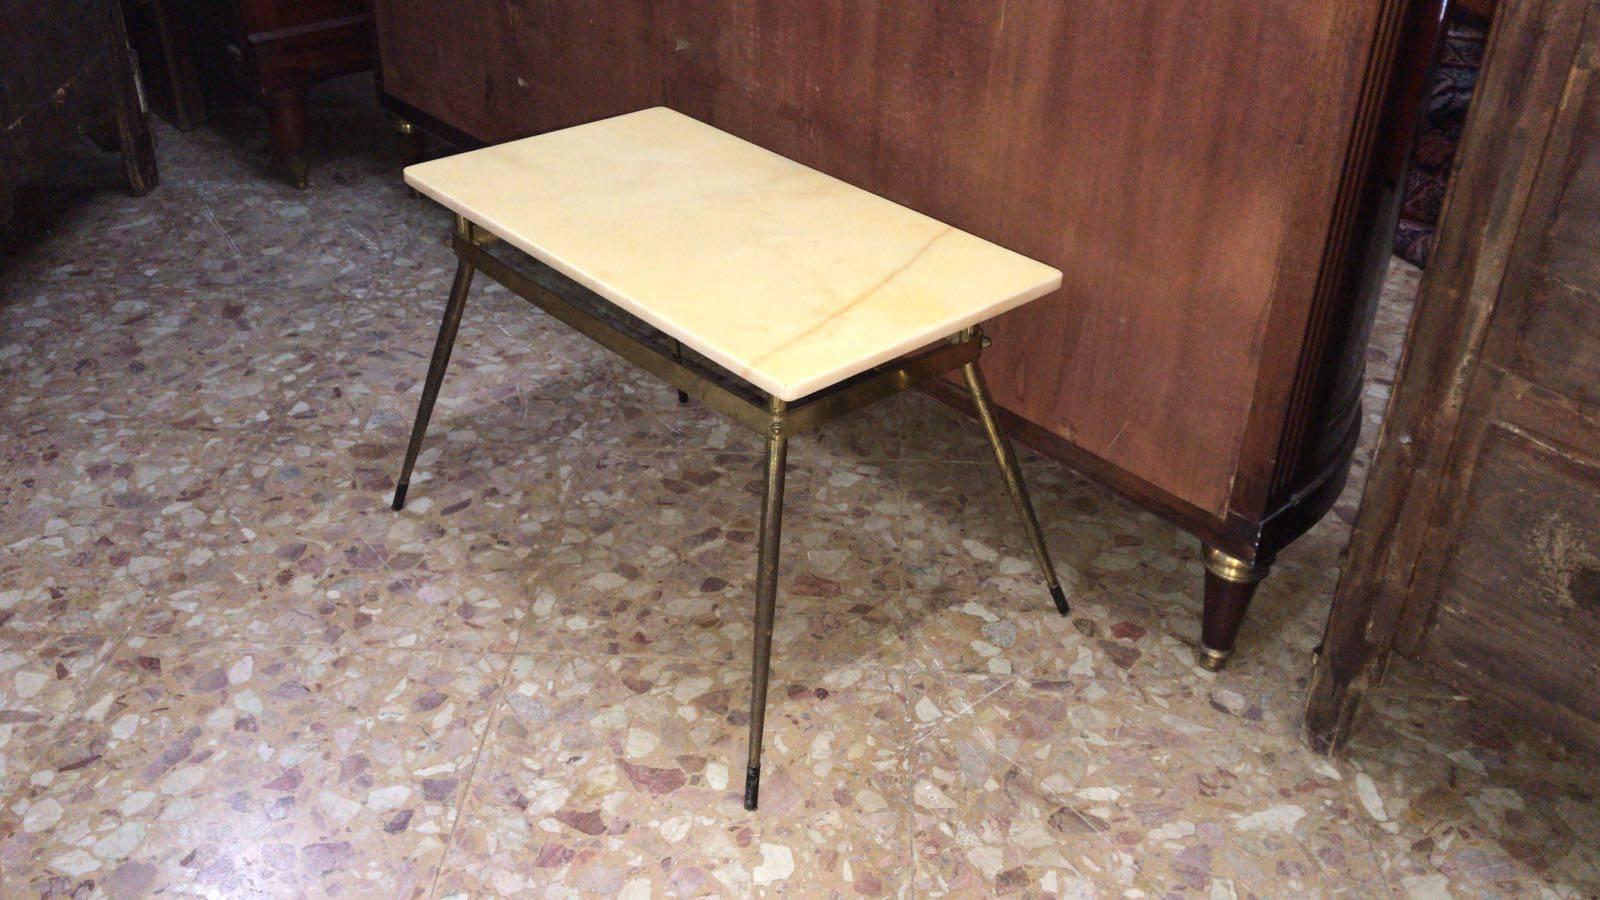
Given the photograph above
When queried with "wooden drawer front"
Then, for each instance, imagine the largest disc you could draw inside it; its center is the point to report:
(1519, 611)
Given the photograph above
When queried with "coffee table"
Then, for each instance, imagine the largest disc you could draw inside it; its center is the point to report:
(798, 298)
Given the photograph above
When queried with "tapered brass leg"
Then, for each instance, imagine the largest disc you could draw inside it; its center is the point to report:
(1014, 484)
(677, 356)
(1230, 585)
(766, 596)
(436, 368)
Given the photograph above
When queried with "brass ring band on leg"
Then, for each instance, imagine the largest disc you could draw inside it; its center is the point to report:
(1232, 569)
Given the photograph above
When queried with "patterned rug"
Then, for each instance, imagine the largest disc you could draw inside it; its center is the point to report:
(1443, 118)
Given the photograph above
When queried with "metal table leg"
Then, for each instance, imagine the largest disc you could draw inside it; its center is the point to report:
(1014, 484)
(766, 595)
(430, 388)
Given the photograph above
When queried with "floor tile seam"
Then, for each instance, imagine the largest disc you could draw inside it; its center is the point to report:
(246, 643)
(1103, 836)
(472, 772)
(945, 721)
(1310, 855)
(1360, 827)
(82, 701)
(1374, 833)
(1292, 739)
(1134, 695)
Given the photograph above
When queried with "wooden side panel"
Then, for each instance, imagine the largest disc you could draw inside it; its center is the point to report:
(57, 82)
(1178, 161)
(1518, 614)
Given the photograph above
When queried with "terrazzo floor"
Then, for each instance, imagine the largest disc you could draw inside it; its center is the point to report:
(227, 669)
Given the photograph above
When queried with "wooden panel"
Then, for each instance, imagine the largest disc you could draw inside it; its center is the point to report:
(1519, 601)
(1558, 345)
(1178, 161)
(45, 47)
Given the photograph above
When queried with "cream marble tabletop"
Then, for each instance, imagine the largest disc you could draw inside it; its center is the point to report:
(791, 279)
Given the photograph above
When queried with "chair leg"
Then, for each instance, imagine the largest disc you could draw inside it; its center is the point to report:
(1014, 484)
(430, 388)
(766, 599)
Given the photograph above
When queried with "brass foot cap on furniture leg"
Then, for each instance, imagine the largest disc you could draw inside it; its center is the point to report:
(1060, 596)
(298, 169)
(752, 786)
(1215, 660)
(399, 496)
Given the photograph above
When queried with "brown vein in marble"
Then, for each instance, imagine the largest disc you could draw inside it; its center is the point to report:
(854, 302)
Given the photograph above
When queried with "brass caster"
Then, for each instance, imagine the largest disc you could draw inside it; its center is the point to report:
(298, 169)
(1214, 660)
(1234, 571)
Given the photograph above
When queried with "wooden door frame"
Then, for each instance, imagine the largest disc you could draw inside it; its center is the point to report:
(1425, 449)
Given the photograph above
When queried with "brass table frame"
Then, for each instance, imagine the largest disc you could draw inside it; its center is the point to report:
(776, 420)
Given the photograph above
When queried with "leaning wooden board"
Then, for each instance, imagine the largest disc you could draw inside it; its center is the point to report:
(1477, 551)
(66, 73)
(1200, 172)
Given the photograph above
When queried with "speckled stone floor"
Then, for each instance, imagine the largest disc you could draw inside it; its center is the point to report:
(228, 670)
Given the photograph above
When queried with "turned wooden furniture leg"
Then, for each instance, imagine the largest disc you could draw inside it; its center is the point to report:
(436, 369)
(286, 116)
(408, 141)
(133, 129)
(766, 596)
(1230, 583)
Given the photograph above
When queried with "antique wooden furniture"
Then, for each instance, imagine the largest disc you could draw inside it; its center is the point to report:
(790, 285)
(1204, 175)
(278, 49)
(171, 85)
(65, 74)
(1477, 549)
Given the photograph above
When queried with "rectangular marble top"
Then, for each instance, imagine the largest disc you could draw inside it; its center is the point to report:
(789, 278)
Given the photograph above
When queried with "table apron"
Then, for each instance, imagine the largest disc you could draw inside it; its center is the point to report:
(798, 417)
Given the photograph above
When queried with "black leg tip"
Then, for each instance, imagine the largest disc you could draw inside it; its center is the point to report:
(752, 786)
(1060, 596)
(399, 496)
(682, 397)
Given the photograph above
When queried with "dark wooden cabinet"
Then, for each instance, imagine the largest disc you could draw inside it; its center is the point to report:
(1477, 551)
(66, 74)
(1206, 175)
(278, 49)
